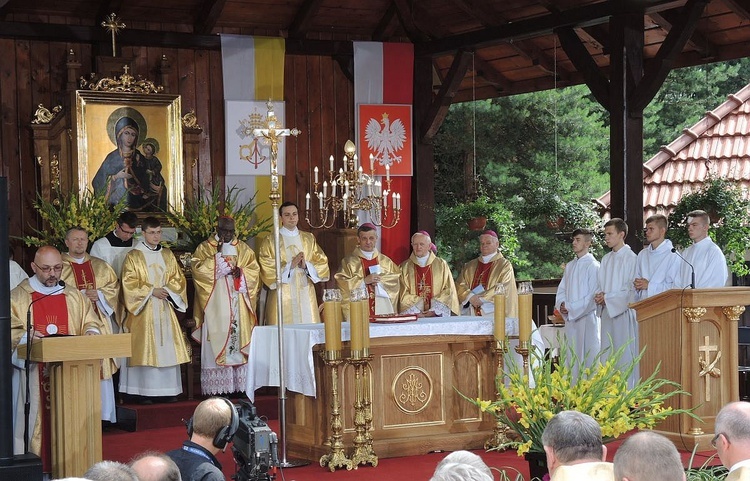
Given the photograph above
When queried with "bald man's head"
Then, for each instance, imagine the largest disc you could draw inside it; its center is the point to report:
(153, 466)
(47, 265)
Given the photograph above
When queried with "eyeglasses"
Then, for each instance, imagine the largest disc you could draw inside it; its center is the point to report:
(49, 269)
(126, 232)
(716, 439)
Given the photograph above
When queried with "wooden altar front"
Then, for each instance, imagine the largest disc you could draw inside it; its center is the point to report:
(415, 408)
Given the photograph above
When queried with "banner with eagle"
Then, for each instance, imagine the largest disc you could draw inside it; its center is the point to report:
(386, 135)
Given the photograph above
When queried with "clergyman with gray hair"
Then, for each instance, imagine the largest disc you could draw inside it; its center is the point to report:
(460, 466)
(574, 448)
(646, 456)
(111, 471)
(155, 466)
(732, 439)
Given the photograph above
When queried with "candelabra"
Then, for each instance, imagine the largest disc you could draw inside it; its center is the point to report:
(336, 458)
(500, 431)
(349, 190)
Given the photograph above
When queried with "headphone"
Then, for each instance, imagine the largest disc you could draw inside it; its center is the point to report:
(226, 433)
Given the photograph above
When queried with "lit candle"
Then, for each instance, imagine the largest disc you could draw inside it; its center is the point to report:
(332, 326)
(388, 172)
(307, 201)
(333, 188)
(346, 197)
(320, 201)
(395, 200)
(524, 316)
(499, 317)
(345, 162)
(356, 327)
(325, 188)
(316, 174)
(372, 163)
(330, 163)
(385, 199)
(346, 186)
(355, 162)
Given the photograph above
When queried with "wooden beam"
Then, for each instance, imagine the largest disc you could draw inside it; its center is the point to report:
(208, 14)
(666, 20)
(593, 14)
(423, 185)
(439, 107)
(585, 64)
(490, 74)
(741, 8)
(596, 35)
(386, 26)
(480, 12)
(304, 18)
(659, 67)
(406, 17)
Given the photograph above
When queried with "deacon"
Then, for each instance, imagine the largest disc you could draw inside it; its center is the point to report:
(153, 287)
(427, 287)
(225, 274)
(575, 301)
(113, 247)
(98, 282)
(614, 292)
(56, 309)
(478, 278)
(705, 256)
(658, 268)
(366, 267)
(303, 264)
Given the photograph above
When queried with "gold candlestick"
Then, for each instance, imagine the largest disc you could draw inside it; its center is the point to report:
(336, 458)
(363, 453)
(367, 403)
(523, 348)
(500, 431)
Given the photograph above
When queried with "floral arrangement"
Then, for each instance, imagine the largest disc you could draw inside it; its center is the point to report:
(89, 210)
(601, 392)
(200, 215)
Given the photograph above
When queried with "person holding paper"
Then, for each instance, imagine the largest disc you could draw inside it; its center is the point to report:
(366, 267)
(427, 287)
(478, 278)
(614, 292)
(303, 264)
(575, 300)
(658, 268)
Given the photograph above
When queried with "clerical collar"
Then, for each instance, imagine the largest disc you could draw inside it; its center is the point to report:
(42, 289)
(76, 260)
(368, 255)
(488, 257)
(153, 249)
(422, 261)
(289, 233)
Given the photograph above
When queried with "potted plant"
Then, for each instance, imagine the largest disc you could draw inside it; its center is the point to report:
(601, 392)
(728, 209)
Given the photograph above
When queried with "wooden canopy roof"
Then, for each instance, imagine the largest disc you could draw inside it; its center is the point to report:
(514, 42)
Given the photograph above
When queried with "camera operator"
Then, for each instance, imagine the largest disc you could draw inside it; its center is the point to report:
(213, 425)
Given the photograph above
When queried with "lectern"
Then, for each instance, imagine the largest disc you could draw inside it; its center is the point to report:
(76, 411)
(693, 334)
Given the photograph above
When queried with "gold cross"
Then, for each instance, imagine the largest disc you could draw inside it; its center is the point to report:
(708, 367)
(113, 24)
(271, 135)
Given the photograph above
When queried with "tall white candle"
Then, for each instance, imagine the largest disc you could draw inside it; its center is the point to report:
(316, 174)
(330, 163)
(320, 201)
(388, 173)
(307, 201)
(385, 199)
(346, 197)
(345, 163)
(356, 161)
(333, 185)
(325, 188)
(372, 163)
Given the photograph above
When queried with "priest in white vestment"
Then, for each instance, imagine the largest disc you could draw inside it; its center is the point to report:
(658, 268)
(153, 287)
(113, 247)
(575, 301)
(706, 257)
(615, 291)
(303, 264)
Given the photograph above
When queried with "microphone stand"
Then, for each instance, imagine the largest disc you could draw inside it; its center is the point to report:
(692, 269)
(27, 368)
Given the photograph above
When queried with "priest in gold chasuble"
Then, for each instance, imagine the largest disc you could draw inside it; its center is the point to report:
(303, 264)
(427, 287)
(96, 280)
(366, 267)
(56, 310)
(478, 278)
(153, 287)
(225, 274)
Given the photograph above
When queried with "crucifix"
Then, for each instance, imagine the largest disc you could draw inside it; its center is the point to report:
(113, 24)
(708, 367)
(272, 135)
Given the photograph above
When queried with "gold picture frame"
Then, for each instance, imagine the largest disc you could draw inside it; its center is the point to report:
(130, 144)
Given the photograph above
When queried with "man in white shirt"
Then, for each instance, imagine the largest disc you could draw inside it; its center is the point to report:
(658, 268)
(705, 256)
(574, 448)
(732, 439)
(615, 292)
(575, 301)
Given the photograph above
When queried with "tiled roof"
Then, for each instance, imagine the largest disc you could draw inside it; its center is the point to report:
(718, 144)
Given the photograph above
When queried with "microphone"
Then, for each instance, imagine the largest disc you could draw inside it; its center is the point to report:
(692, 269)
(27, 404)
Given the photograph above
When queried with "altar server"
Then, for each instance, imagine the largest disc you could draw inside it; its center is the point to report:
(615, 292)
(705, 256)
(658, 268)
(427, 286)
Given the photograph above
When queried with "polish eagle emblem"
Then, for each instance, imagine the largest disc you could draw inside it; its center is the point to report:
(385, 142)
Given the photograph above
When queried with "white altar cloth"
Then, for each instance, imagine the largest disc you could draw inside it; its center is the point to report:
(299, 340)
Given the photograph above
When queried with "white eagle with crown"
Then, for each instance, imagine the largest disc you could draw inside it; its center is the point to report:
(385, 142)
